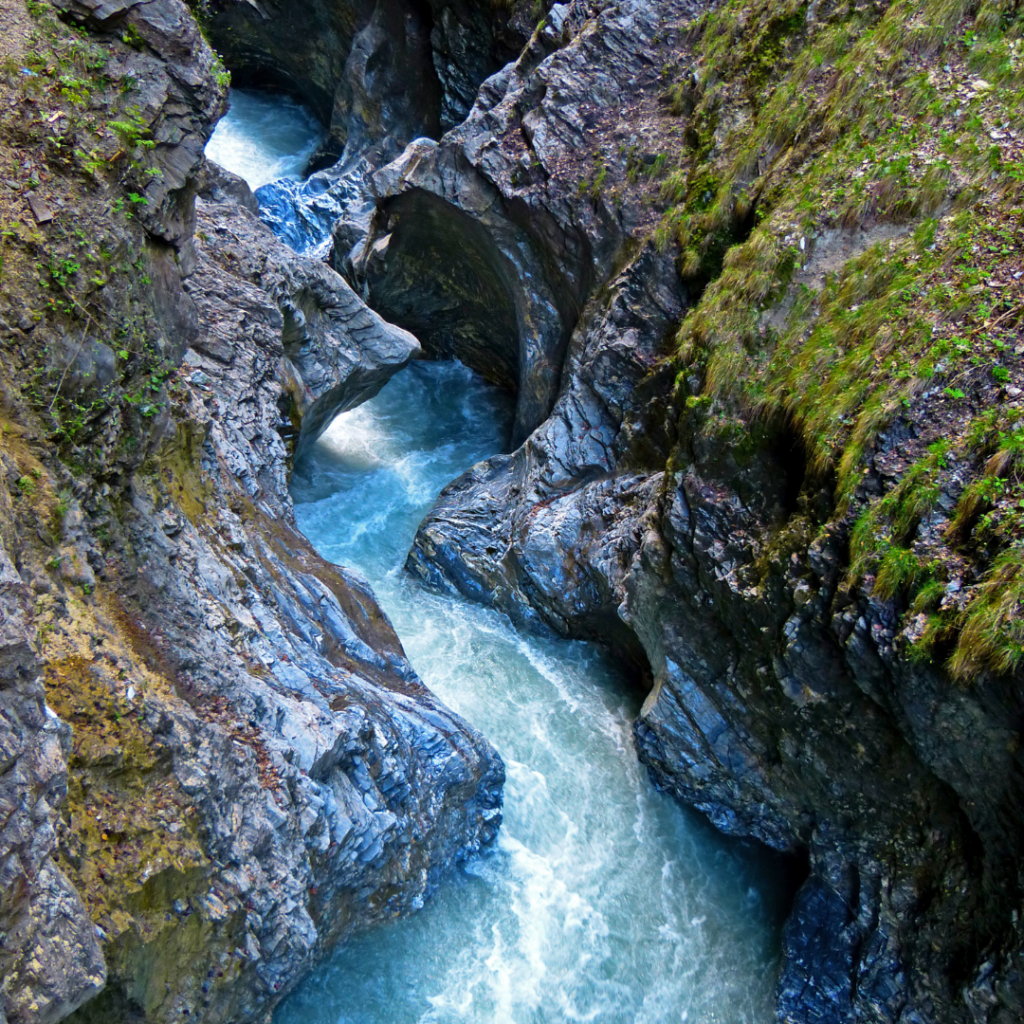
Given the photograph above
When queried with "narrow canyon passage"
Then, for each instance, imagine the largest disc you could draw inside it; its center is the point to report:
(602, 900)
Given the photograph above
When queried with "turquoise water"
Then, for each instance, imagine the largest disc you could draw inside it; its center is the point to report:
(602, 900)
(264, 136)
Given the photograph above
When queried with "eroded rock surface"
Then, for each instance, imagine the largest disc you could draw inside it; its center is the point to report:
(781, 704)
(50, 958)
(216, 759)
(336, 352)
(506, 219)
(379, 74)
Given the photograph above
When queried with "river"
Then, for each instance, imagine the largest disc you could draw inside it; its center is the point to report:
(602, 899)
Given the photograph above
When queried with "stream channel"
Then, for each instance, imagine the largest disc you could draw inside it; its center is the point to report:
(602, 900)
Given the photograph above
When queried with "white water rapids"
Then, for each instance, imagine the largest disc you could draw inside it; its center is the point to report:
(602, 900)
(264, 136)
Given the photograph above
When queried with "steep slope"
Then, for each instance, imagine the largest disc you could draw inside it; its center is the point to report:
(216, 759)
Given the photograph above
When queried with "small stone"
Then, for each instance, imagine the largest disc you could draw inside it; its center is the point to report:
(40, 210)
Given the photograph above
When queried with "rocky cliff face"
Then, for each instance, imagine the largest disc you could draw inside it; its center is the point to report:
(754, 274)
(217, 760)
(730, 506)
(379, 73)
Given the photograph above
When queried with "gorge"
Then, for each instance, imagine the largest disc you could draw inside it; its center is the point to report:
(743, 283)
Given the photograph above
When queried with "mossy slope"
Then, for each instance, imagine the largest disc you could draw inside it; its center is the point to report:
(852, 209)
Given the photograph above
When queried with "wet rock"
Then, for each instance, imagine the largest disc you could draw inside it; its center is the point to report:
(390, 79)
(377, 73)
(781, 705)
(494, 211)
(304, 214)
(334, 353)
(303, 49)
(256, 770)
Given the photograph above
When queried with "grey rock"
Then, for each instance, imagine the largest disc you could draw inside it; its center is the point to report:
(377, 72)
(485, 246)
(50, 959)
(176, 95)
(271, 773)
(334, 353)
(780, 706)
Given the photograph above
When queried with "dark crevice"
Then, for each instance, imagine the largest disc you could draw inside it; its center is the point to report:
(791, 458)
(447, 283)
(714, 249)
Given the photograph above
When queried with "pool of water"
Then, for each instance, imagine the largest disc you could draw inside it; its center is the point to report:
(265, 136)
(602, 900)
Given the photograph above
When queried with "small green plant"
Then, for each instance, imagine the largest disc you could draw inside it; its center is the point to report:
(63, 505)
(992, 634)
(130, 37)
(130, 132)
(62, 270)
(898, 572)
(92, 162)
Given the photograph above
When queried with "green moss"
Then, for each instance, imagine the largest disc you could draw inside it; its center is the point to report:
(861, 119)
(177, 463)
(992, 624)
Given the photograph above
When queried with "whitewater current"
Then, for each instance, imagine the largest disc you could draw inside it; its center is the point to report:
(602, 900)
(264, 137)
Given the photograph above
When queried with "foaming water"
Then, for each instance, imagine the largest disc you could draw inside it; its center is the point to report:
(264, 137)
(602, 900)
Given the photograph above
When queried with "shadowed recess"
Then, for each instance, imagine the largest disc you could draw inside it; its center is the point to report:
(446, 282)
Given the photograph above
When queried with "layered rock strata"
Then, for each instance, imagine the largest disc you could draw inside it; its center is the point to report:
(782, 705)
(252, 768)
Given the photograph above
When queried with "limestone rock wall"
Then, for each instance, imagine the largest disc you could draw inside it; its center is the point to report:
(781, 703)
(50, 956)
